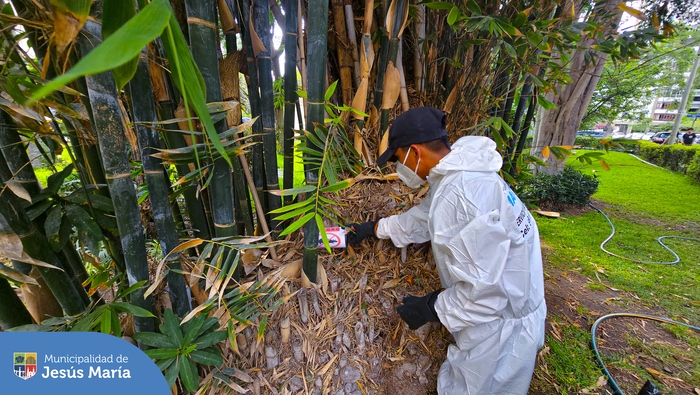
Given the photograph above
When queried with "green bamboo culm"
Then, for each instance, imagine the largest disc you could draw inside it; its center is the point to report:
(317, 35)
(242, 204)
(166, 110)
(257, 161)
(393, 51)
(144, 110)
(202, 39)
(24, 174)
(34, 243)
(16, 155)
(290, 96)
(261, 11)
(381, 70)
(12, 311)
(115, 158)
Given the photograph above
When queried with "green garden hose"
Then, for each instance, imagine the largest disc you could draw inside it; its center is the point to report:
(616, 389)
(602, 245)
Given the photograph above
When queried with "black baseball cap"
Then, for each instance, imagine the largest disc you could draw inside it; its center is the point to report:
(415, 126)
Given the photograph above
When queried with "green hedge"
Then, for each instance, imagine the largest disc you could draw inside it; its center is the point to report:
(594, 143)
(677, 157)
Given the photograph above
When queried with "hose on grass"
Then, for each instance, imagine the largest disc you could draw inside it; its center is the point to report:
(660, 240)
(613, 384)
(611, 381)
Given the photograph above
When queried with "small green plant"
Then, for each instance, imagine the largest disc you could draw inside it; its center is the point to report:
(571, 187)
(179, 348)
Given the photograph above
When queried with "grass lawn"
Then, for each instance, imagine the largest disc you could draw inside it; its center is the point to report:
(644, 203)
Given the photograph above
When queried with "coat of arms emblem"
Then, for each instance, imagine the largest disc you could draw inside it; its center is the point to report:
(24, 364)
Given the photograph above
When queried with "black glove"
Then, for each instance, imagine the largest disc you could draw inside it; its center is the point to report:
(417, 311)
(359, 232)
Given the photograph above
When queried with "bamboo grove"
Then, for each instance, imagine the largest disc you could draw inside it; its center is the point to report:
(167, 149)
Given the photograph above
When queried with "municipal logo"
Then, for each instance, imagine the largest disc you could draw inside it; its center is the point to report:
(24, 364)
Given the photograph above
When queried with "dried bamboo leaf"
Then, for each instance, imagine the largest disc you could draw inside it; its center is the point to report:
(228, 24)
(392, 86)
(384, 143)
(17, 188)
(451, 100)
(258, 46)
(405, 20)
(389, 22)
(366, 60)
(360, 101)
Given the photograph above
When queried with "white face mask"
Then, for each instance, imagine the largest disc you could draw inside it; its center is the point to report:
(407, 175)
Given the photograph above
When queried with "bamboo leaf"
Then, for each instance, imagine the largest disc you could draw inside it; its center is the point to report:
(131, 309)
(119, 48)
(634, 12)
(322, 231)
(294, 213)
(473, 7)
(206, 358)
(545, 153)
(331, 90)
(173, 372)
(184, 246)
(188, 374)
(292, 206)
(68, 16)
(211, 339)
(98, 201)
(452, 16)
(154, 340)
(55, 180)
(293, 191)
(52, 226)
(297, 224)
(188, 80)
(106, 322)
(340, 185)
(261, 328)
(605, 165)
(171, 327)
(115, 14)
(161, 353)
(438, 5)
(88, 231)
(17, 188)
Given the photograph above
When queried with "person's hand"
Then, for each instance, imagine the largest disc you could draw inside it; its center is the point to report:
(417, 311)
(359, 232)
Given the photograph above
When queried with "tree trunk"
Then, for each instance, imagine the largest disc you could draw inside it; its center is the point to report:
(12, 311)
(559, 126)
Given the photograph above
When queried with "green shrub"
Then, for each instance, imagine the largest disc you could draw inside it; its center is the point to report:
(570, 187)
(677, 157)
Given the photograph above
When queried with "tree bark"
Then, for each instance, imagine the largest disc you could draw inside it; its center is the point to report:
(559, 126)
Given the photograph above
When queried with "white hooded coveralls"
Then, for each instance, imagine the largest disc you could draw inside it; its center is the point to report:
(487, 252)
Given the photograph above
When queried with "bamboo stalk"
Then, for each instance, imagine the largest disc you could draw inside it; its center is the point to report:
(203, 40)
(257, 161)
(317, 39)
(166, 97)
(344, 55)
(258, 205)
(15, 153)
(352, 36)
(301, 58)
(262, 29)
(418, 64)
(381, 70)
(109, 128)
(144, 110)
(290, 96)
(13, 313)
(277, 13)
(37, 247)
(405, 106)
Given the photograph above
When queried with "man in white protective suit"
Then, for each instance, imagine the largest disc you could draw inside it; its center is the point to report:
(487, 252)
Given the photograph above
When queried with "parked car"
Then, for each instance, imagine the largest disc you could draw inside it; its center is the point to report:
(660, 137)
(590, 133)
